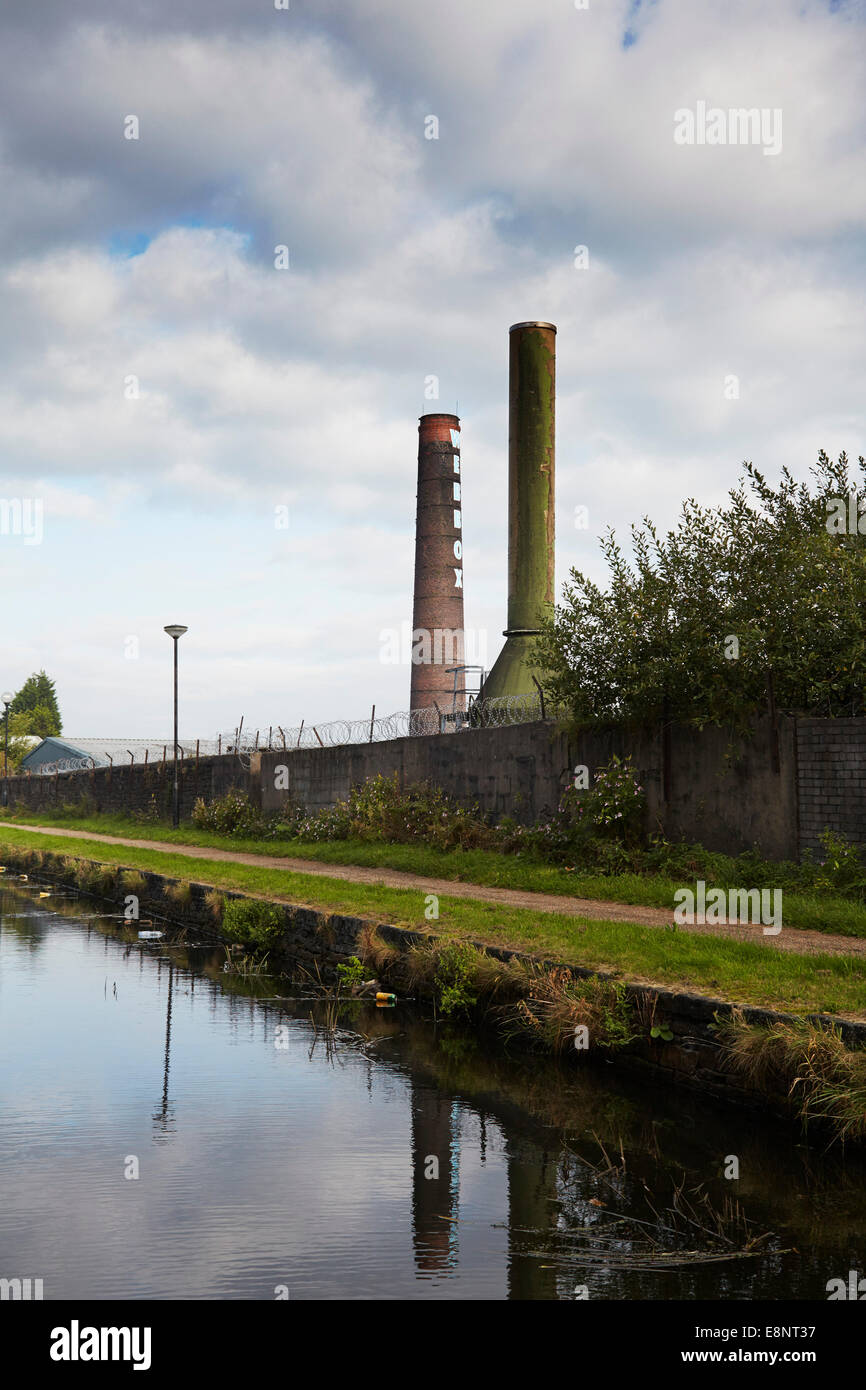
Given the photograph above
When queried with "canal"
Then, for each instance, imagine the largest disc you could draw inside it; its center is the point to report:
(170, 1130)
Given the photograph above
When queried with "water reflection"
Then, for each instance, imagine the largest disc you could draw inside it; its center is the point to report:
(435, 1179)
(163, 1119)
(412, 1161)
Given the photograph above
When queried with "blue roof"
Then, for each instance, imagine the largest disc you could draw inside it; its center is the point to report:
(52, 750)
(74, 754)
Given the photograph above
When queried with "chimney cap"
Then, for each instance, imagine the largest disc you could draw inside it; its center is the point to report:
(532, 323)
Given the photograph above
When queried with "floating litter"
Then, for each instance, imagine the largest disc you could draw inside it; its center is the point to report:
(45, 895)
(150, 936)
(382, 998)
(24, 878)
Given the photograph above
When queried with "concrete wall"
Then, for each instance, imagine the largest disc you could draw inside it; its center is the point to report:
(776, 794)
(724, 792)
(517, 771)
(137, 788)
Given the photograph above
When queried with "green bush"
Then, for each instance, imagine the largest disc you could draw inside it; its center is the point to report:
(252, 922)
(379, 810)
(598, 826)
(231, 814)
(376, 810)
(454, 978)
(350, 974)
(842, 870)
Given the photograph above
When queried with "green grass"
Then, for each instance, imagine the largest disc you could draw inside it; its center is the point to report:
(802, 909)
(737, 971)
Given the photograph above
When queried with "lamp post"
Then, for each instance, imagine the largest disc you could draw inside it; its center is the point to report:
(175, 631)
(7, 697)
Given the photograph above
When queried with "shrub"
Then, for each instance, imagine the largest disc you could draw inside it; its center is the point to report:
(379, 810)
(331, 823)
(231, 814)
(598, 830)
(842, 869)
(558, 1003)
(613, 807)
(454, 978)
(151, 811)
(350, 974)
(252, 922)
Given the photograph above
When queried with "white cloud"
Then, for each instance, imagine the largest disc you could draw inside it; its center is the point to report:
(409, 258)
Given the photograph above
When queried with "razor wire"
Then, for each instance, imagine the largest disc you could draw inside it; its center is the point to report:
(133, 757)
(64, 765)
(491, 713)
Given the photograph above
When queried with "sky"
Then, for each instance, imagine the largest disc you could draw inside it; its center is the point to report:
(193, 432)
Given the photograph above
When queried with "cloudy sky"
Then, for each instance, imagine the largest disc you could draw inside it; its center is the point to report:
(169, 396)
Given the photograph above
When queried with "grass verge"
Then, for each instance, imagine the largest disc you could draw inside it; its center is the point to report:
(738, 972)
(825, 912)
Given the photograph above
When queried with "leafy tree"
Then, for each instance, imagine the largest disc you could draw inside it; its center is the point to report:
(19, 740)
(756, 604)
(40, 721)
(38, 699)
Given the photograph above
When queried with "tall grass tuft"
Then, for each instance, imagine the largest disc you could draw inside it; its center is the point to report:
(179, 893)
(215, 903)
(808, 1061)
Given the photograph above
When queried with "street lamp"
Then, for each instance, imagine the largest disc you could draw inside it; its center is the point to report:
(175, 631)
(7, 697)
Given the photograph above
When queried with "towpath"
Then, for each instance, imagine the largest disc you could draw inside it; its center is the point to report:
(805, 942)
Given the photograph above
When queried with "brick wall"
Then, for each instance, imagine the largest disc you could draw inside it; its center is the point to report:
(831, 755)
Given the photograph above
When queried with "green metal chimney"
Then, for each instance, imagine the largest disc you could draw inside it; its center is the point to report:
(531, 462)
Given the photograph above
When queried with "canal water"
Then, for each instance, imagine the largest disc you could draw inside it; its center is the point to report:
(394, 1159)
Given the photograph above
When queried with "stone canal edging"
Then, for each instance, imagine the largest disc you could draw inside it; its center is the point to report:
(685, 1052)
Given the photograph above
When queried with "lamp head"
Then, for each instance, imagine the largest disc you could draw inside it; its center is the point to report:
(7, 697)
(175, 630)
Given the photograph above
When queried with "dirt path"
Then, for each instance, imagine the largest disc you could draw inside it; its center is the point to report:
(789, 939)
